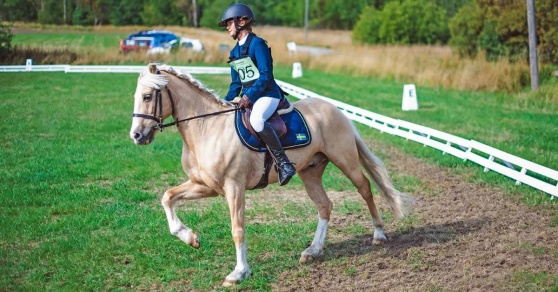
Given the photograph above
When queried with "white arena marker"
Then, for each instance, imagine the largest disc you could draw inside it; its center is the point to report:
(297, 70)
(28, 65)
(410, 102)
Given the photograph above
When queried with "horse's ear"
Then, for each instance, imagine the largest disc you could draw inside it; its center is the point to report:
(153, 68)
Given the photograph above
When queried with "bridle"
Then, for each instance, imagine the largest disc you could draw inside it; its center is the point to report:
(159, 108)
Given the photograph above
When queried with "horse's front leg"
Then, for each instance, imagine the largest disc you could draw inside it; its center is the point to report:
(236, 200)
(186, 191)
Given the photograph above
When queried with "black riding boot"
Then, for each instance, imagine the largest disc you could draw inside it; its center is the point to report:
(284, 167)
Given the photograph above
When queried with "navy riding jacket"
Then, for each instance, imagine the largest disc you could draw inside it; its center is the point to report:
(265, 85)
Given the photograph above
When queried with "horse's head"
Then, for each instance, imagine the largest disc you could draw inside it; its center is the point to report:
(152, 105)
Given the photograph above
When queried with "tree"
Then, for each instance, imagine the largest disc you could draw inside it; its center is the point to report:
(465, 28)
(367, 27)
(422, 22)
(500, 29)
(160, 12)
(213, 12)
(339, 14)
(452, 6)
(18, 10)
(547, 30)
(126, 12)
(406, 22)
(6, 36)
(51, 12)
(489, 41)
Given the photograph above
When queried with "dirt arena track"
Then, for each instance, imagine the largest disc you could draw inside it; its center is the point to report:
(468, 237)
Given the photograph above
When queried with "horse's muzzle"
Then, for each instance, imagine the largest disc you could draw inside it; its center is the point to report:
(142, 139)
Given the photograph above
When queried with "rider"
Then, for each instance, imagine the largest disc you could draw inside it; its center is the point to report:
(252, 78)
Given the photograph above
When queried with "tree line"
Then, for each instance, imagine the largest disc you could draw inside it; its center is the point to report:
(497, 27)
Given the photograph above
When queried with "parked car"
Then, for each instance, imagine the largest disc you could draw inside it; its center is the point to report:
(192, 44)
(151, 41)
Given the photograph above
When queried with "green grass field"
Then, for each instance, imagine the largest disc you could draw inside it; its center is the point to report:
(73, 40)
(80, 202)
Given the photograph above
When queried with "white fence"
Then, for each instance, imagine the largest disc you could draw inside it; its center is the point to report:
(108, 69)
(519, 169)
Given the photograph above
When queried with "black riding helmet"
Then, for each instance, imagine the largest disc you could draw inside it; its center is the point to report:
(236, 12)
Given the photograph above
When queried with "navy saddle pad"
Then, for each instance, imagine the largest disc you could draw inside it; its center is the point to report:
(298, 134)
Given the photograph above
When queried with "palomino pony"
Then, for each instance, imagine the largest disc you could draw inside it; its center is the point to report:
(216, 162)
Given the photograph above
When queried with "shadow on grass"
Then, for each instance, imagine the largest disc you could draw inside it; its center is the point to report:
(401, 241)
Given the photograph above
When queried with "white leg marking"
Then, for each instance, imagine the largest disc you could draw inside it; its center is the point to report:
(242, 270)
(178, 229)
(316, 248)
(379, 236)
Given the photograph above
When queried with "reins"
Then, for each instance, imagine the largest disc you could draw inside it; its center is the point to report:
(161, 126)
(159, 106)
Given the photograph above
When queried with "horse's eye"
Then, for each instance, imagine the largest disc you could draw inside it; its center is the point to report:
(147, 97)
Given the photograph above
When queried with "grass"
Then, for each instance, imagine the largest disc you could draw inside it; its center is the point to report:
(73, 40)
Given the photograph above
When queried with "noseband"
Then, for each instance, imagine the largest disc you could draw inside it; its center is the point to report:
(159, 108)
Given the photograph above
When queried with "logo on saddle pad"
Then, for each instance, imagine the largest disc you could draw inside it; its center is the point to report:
(301, 137)
(297, 135)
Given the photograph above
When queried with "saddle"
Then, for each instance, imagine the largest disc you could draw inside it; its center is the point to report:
(289, 125)
(275, 120)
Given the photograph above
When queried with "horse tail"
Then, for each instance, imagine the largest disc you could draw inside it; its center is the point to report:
(400, 203)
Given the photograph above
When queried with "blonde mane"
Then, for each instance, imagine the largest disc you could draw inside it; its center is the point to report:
(158, 81)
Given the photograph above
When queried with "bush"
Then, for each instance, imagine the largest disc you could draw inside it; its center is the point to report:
(406, 22)
(40, 56)
(489, 41)
(367, 27)
(6, 36)
(547, 30)
(500, 29)
(465, 28)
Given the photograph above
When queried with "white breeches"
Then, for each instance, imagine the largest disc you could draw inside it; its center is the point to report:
(263, 108)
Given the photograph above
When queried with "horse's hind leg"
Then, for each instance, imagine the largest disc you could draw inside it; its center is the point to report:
(185, 191)
(312, 179)
(363, 187)
(361, 182)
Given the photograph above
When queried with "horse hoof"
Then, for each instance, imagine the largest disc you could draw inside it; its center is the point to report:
(229, 283)
(306, 258)
(195, 242)
(379, 240)
(237, 276)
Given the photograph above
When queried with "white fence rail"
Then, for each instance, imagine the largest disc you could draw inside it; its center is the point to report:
(527, 172)
(108, 69)
(37, 68)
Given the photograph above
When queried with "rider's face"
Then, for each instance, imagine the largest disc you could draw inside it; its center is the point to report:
(230, 26)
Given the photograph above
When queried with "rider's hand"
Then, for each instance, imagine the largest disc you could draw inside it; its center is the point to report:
(245, 102)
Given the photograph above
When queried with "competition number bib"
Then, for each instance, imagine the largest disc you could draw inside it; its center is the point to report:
(246, 69)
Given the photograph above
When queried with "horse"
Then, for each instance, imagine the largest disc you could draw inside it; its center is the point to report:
(216, 163)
